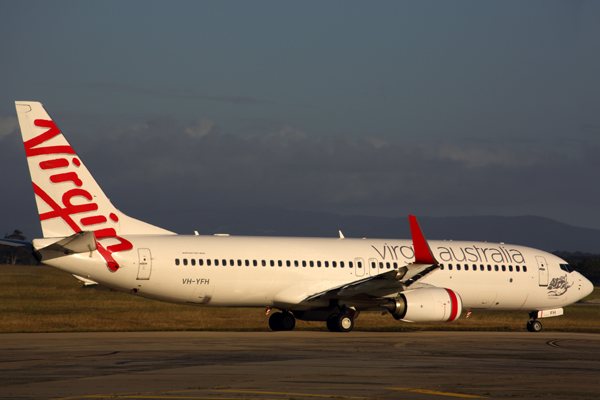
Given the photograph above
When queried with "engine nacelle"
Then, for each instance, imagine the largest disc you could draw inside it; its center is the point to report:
(427, 305)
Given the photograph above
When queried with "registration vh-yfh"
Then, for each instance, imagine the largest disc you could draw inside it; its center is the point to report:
(310, 279)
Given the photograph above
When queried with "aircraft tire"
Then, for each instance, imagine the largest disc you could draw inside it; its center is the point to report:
(345, 323)
(275, 322)
(332, 323)
(534, 326)
(287, 321)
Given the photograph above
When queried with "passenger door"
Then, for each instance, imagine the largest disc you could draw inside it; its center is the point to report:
(542, 270)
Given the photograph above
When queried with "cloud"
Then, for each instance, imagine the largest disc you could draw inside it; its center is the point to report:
(7, 126)
(165, 168)
(200, 127)
(288, 168)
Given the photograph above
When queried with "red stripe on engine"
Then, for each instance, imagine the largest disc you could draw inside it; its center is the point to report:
(453, 304)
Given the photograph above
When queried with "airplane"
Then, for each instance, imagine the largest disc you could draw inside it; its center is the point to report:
(311, 279)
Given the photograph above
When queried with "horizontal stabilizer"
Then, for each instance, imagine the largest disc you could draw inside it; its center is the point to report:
(86, 282)
(16, 243)
(81, 242)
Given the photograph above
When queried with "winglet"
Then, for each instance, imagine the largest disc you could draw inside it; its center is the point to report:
(423, 254)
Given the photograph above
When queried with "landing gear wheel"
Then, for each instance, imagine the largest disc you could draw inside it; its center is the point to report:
(340, 323)
(534, 326)
(332, 324)
(275, 322)
(288, 322)
(345, 323)
(282, 321)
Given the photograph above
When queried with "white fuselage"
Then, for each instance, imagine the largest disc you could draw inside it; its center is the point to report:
(283, 271)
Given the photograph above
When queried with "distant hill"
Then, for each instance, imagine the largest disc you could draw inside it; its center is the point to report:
(538, 232)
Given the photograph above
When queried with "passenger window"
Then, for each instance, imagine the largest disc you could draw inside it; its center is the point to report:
(458, 267)
(326, 264)
(373, 265)
(517, 268)
(311, 263)
(279, 263)
(524, 268)
(263, 263)
(319, 264)
(475, 267)
(255, 263)
(489, 267)
(395, 265)
(304, 263)
(350, 264)
(503, 268)
(239, 263)
(193, 261)
(334, 264)
(341, 264)
(224, 263)
(247, 263)
(232, 263)
(495, 268)
(359, 264)
(177, 261)
(295, 263)
(200, 262)
(510, 268)
(208, 261)
(185, 261)
(388, 266)
(481, 267)
(442, 266)
(216, 262)
(450, 267)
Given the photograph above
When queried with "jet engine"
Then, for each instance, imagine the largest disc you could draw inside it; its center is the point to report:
(426, 305)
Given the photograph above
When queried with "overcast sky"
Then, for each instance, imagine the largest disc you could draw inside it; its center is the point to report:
(385, 108)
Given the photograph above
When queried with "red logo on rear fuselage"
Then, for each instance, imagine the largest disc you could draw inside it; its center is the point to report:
(68, 209)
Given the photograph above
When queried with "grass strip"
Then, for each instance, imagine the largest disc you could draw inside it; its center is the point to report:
(43, 299)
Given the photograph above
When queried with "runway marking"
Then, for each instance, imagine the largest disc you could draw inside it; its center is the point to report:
(553, 342)
(291, 394)
(468, 396)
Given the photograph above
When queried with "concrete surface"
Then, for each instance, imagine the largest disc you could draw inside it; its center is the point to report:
(300, 365)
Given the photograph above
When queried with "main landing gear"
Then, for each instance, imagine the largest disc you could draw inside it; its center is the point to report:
(533, 325)
(282, 321)
(338, 319)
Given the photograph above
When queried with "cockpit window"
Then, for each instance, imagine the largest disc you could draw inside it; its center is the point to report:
(566, 267)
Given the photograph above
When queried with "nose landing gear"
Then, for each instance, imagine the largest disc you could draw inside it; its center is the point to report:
(533, 325)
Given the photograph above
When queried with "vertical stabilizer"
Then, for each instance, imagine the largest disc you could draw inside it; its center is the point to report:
(68, 198)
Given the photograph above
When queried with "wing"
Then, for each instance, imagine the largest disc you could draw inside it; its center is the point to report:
(390, 282)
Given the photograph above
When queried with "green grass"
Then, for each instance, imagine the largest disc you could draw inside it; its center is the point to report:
(43, 299)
